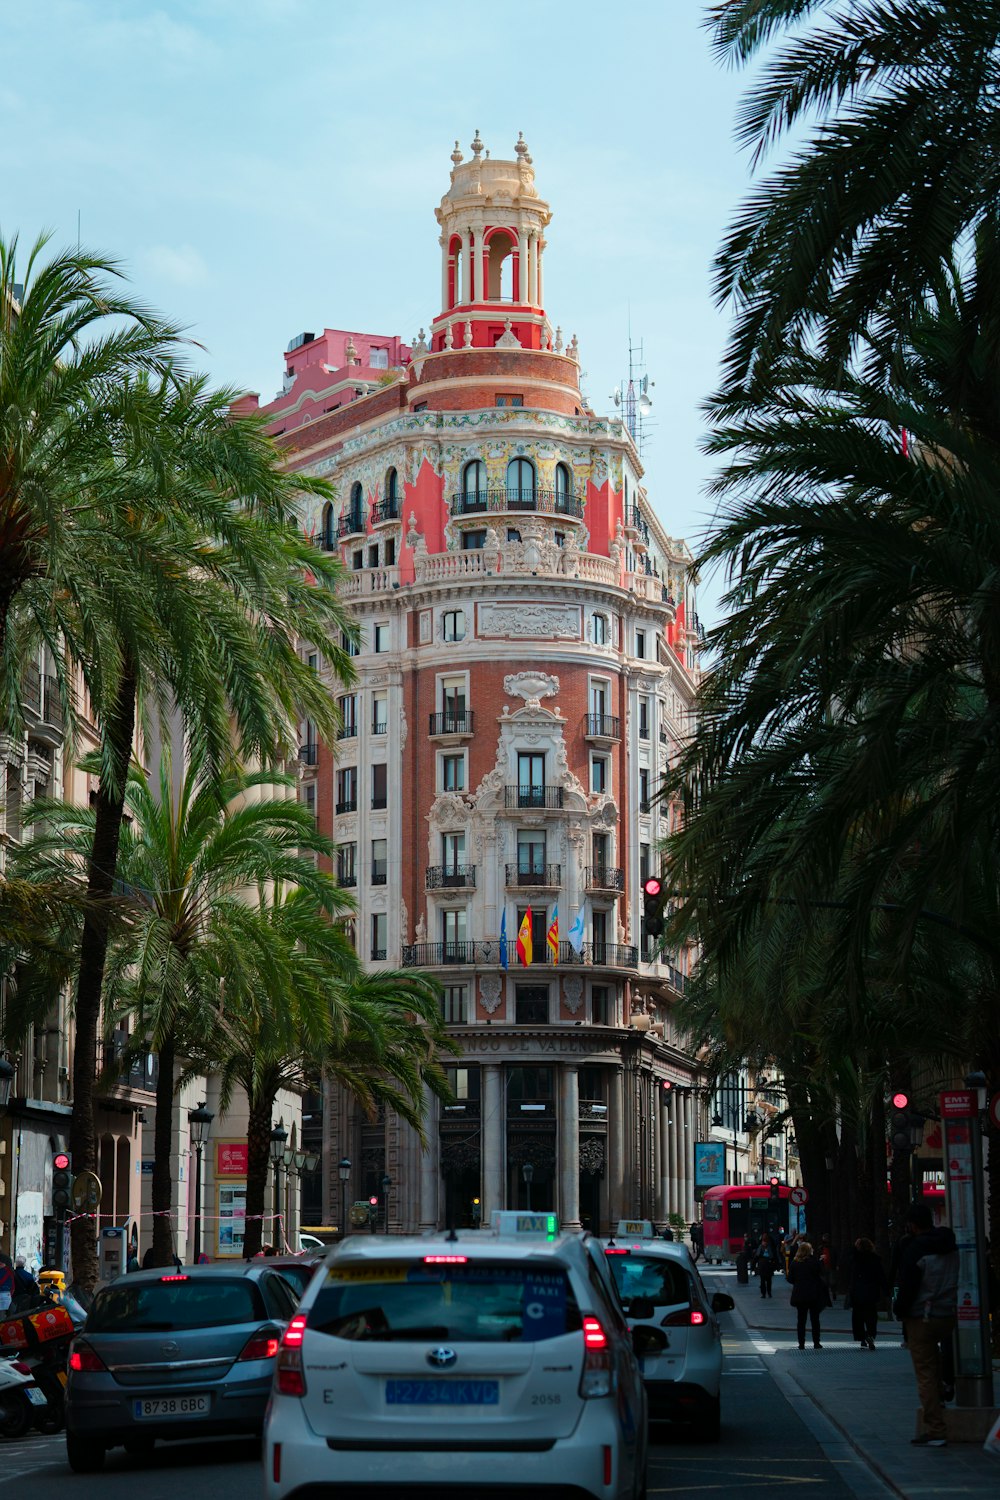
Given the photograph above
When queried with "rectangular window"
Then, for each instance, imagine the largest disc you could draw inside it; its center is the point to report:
(510, 400)
(454, 930)
(644, 866)
(599, 1005)
(348, 706)
(381, 637)
(640, 643)
(530, 1085)
(349, 643)
(473, 541)
(644, 789)
(531, 1004)
(599, 696)
(380, 786)
(347, 871)
(380, 713)
(539, 927)
(598, 773)
(379, 862)
(644, 718)
(373, 555)
(420, 406)
(378, 359)
(312, 660)
(531, 778)
(465, 1083)
(453, 773)
(347, 789)
(455, 1012)
(599, 630)
(530, 852)
(357, 559)
(453, 704)
(309, 796)
(380, 935)
(390, 551)
(453, 854)
(453, 625)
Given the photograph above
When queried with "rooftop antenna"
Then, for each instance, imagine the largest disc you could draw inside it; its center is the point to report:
(633, 395)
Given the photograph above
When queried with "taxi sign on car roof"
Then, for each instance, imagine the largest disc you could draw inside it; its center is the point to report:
(510, 1221)
(639, 1229)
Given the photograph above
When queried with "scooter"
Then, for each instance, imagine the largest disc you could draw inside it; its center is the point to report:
(21, 1400)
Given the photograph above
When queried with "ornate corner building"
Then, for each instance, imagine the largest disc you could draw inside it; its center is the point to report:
(526, 669)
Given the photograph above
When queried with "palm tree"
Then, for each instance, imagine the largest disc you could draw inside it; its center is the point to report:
(189, 866)
(893, 112)
(312, 1009)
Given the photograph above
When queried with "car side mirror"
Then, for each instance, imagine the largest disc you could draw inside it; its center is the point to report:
(641, 1307)
(722, 1302)
(649, 1340)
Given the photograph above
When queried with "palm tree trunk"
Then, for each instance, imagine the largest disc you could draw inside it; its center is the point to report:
(258, 1163)
(109, 811)
(162, 1184)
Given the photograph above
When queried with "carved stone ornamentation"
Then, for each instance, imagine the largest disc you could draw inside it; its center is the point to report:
(529, 621)
(490, 992)
(508, 339)
(538, 1149)
(531, 686)
(458, 1153)
(592, 1155)
(573, 995)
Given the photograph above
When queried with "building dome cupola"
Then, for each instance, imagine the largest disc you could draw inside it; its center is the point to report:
(492, 248)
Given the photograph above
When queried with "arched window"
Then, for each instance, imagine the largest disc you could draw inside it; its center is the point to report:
(500, 266)
(356, 507)
(455, 259)
(474, 487)
(564, 485)
(391, 498)
(329, 534)
(521, 484)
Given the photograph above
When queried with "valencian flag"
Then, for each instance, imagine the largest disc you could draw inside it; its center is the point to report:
(524, 950)
(552, 936)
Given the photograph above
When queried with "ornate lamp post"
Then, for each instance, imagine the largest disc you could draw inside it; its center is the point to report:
(528, 1173)
(279, 1139)
(344, 1171)
(200, 1125)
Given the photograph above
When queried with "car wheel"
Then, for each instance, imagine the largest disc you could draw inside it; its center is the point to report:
(84, 1455)
(708, 1427)
(15, 1416)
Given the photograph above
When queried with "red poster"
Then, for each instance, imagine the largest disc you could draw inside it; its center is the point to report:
(231, 1158)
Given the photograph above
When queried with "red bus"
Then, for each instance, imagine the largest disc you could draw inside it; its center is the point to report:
(730, 1213)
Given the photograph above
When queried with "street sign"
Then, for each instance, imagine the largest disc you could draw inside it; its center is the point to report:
(798, 1196)
(959, 1104)
(87, 1190)
(995, 1110)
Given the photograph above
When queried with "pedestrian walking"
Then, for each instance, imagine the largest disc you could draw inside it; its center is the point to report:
(7, 1283)
(868, 1285)
(765, 1263)
(927, 1304)
(697, 1241)
(24, 1281)
(810, 1292)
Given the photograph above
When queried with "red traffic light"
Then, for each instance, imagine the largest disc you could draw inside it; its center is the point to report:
(666, 1085)
(773, 1181)
(653, 886)
(60, 1161)
(373, 1201)
(900, 1100)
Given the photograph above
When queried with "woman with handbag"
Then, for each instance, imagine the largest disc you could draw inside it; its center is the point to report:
(810, 1292)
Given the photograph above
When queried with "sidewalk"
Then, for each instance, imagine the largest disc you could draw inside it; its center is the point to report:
(869, 1398)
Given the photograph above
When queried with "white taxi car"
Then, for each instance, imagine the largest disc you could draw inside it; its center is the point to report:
(452, 1366)
(681, 1356)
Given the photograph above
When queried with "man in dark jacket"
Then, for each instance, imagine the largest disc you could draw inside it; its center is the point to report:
(927, 1304)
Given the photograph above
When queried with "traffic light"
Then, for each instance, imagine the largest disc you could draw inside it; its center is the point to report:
(667, 1090)
(652, 899)
(62, 1181)
(775, 1191)
(899, 1122)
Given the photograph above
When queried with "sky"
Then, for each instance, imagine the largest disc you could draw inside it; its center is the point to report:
(264, 167)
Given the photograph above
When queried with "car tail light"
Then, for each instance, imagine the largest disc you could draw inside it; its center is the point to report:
(263, 1345)
(83, 1358)
(289, 1376)
(173, 1278)
(446, 1260)
(614, 1250)
(684, 1317)
(597, 1378)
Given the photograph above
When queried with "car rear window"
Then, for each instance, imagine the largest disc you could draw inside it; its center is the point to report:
(479, 1301)
(167, 1306)
(663, 1281)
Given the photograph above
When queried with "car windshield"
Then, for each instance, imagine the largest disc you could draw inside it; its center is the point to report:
(172, 1305)
(480, 1301)
(664, 1282)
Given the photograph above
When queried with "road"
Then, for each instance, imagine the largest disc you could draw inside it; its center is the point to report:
(765, 1450)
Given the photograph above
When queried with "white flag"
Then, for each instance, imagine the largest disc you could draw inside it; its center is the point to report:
(576, 933)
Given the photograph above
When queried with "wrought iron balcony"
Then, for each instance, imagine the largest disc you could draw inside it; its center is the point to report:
(542, 798)
(538, 875)
(603, 878)
(486, 953)
(351, 524)
(31, 688)
(495, 501)
(602, 727)
(378, 954)
(309, 753)
(452, 723)
(384, 510)
(448, 955)
(347, 878)
(636, 521)
(379, 871)
(380, 726)
(347, 731)
(348, 804)
(450, 877)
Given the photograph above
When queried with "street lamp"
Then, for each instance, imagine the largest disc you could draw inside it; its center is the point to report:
(528, 1173)
(279, 1137)
(386, 1185)
(344, 1169)
(200, 1125)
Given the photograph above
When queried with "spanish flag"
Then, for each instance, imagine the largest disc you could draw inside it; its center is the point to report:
(552, 936)
(524, 951)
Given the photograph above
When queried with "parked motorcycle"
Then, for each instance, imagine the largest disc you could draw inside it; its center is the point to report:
(21, 1400)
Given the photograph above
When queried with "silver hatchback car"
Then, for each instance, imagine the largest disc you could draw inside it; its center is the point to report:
(167, 1354)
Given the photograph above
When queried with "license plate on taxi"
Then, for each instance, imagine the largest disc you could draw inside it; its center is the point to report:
(442, 1392)
(172, 1406)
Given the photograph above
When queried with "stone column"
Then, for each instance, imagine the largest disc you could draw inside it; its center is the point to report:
(444, 272)
(616, 1148)
(430, 1167)
(569, 1148)
(538, 271)
(533, 267)
(686, 1206)
(467, 270)
(522, 265)
(477, 262)
(493, 1133)
(663, 1164)
(676, 1131)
